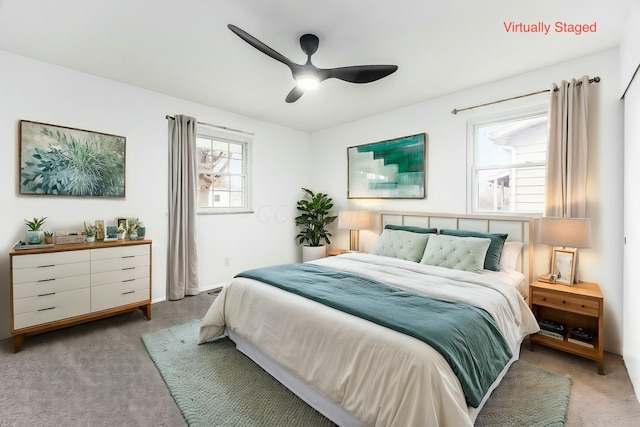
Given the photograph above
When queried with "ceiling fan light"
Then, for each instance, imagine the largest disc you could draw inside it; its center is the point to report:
(307, 82)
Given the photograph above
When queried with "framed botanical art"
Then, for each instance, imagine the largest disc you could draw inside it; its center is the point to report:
(63, 161)
(392, 169)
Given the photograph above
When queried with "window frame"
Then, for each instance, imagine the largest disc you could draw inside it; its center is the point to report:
(533, 111)
(239, 138)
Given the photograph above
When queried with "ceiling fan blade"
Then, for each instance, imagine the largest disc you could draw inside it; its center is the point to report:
(361, 73)
(295, 94)
(261, 46)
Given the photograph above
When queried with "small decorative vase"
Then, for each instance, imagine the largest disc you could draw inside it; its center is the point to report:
(121, 236)
(90, 239)
(48, 240)
(34, 237)
(133, 236)
(141, 231)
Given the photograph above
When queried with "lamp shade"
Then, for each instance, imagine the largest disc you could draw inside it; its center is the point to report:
(569, 232)
(354, 220)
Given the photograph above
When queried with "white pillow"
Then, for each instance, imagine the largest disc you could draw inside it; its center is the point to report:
(459, 253)
(401, 244)
(509, 256)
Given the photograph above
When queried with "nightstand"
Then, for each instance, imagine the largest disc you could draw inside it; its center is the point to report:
(580, 305)
(336, 252)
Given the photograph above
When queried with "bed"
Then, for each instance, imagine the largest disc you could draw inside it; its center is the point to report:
(358, 371)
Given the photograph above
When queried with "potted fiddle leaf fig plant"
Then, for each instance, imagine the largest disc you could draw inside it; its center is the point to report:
(34, 234)
(313, 220)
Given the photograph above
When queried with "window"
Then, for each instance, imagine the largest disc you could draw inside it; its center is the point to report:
(508, 170)
(223, 172)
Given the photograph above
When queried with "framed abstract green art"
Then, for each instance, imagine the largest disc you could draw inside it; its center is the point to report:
(392, 169)
(63, 161)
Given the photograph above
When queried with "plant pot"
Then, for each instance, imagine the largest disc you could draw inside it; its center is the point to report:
(34, 237)
(133, 236)
(121, 236)
(313, 252)
(90, 239)
(48, 240)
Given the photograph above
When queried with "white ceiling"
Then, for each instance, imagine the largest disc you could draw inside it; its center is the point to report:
(184, 49)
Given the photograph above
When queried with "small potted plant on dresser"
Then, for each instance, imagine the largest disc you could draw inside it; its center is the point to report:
(120, 231)
(90, 232)
(34, 234)
(132, 224)
(313, 219)
(48, 237)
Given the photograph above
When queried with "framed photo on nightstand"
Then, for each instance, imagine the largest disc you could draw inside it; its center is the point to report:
(563, 265)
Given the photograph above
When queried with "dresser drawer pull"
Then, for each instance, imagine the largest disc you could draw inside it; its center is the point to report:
(46, 295)
(46, 266)
(130, 292)
(128, 280)
(45, 309)
(46, 280)
(129, 256)
(129, 268)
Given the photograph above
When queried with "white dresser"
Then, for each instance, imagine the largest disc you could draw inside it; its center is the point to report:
(70, 284)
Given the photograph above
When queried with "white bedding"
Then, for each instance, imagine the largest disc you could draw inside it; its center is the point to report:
(380, 376)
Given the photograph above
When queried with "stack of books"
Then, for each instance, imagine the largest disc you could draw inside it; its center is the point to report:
(552, 329)
(581, 337)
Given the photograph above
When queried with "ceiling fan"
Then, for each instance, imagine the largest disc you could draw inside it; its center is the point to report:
(308, 76)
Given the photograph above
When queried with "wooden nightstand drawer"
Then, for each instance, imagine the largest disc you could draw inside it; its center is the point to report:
(572, 303)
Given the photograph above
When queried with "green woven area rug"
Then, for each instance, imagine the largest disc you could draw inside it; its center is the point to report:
(216, 385)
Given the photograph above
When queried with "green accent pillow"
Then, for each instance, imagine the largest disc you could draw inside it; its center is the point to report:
(459, 253)
(411, 228)
(401, 244)
(492, 259)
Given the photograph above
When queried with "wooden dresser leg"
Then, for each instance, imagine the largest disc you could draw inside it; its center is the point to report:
(601, 368)
(146, 310)
(17, 343)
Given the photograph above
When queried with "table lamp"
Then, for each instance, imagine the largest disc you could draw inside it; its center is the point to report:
(354, 221)
(565, 232)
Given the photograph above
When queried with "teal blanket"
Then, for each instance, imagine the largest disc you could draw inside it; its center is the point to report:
(466, 336)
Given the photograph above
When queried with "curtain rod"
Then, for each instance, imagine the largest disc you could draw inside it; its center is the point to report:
(456, 110)
(168, 117)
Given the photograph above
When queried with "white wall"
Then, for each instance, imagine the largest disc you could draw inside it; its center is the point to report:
(447, 170)
(36, 91)
(630, 57)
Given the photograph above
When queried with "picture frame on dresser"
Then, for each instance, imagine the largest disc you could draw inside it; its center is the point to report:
(64, 161)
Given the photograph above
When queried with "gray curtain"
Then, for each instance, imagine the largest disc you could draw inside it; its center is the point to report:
(182, 262)
(566, 178)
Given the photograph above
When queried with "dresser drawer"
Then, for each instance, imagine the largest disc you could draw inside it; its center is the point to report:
(50, 272)
(572, 303)
(30, 289)
(56, 258)
(116, 294)
(125, 274)
(114, 264)
(120, 252)
(33, 311)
